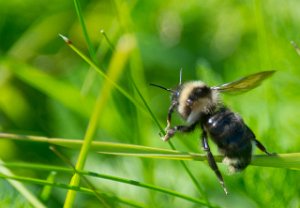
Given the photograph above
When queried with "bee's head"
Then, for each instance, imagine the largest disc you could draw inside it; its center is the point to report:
(192, 99)
(195, 98)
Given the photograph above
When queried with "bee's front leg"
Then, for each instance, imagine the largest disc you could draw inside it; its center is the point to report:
(171, 110)
(171, 131)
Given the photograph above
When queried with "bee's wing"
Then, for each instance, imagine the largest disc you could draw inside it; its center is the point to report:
(244, 84)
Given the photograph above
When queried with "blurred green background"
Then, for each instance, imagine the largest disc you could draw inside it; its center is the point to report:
(47, 90)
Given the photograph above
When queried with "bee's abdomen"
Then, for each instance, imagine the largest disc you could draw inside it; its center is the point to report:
(233, 138)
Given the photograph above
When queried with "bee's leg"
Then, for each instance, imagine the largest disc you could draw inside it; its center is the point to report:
(171, 110)
(257, 143)
(212, 162)
(261, 147)
(171, 131)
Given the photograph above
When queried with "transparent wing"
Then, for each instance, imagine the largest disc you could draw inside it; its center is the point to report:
(244, 84)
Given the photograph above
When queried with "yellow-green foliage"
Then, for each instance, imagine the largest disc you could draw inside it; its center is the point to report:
(95, 88)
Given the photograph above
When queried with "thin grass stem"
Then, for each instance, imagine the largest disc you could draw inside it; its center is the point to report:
(287, 160)
(116, 67)
(104, 176)
(69, 187)
(84, 30)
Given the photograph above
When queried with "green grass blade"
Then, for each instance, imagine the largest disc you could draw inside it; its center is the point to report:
(148, 108)
(68, 187)
(84, 30)
(31, 198)
(116, 67)
(102, 50)
(131, 43)
(91, 74)
(288, 160)
(86, 180)
(104, 176)
(46, 192)
(107, 40)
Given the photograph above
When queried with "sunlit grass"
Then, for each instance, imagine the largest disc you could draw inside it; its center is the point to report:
(290, 160)
(104, 98)
(41, 167)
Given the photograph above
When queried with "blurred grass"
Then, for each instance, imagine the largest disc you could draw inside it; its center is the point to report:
(30, 197)
(116, 67)
(48, 90)
(42, 167)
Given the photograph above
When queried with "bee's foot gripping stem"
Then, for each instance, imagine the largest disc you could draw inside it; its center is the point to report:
(169, 134)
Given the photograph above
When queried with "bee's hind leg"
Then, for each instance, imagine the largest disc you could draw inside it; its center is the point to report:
(256, 142)
(262, 147)
(211, 161)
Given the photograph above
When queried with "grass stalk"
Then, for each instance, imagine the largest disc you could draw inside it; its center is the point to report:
(46, 192)
(101, 73)
(42, 167)
(107, 40)
(116, 67)
(68, 187)
(31, 198)
(89, 184)
(287, 160)
(84, 30)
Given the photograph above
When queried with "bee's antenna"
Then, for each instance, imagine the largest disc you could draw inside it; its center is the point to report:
(164, 88)
(180, 76)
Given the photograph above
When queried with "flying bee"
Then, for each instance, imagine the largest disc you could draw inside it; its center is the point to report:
(200, 105)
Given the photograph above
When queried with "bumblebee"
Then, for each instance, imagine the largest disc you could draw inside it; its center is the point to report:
(200, 106)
